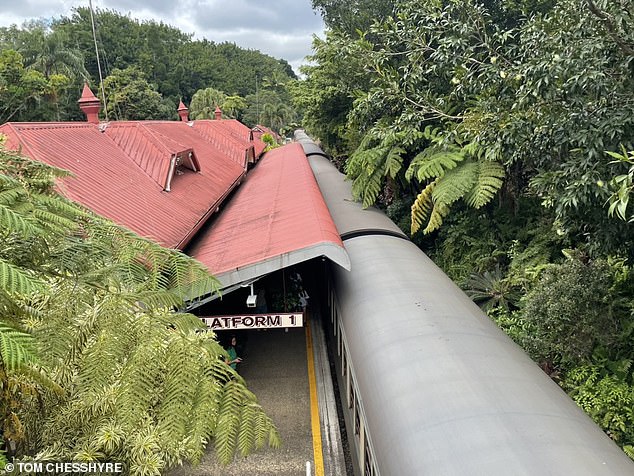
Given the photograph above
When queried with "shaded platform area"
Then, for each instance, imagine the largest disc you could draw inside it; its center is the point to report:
(275, 368)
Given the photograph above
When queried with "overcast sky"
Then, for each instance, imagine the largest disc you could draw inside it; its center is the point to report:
(279, 28)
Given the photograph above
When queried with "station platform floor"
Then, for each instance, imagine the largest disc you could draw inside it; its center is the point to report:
(289, 373)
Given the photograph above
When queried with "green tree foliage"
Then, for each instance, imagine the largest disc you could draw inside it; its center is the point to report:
(541, 87)
(450, 104)
(175, 65)
(234, 106)
(326, 95)
(47, 51)
(572, 299)
(622, 186)
(26, 94)
(95, 363)
(204, 103)
(129, 96)
(352, 15)
(608, 399)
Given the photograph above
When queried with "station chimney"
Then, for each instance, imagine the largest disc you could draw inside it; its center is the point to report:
(90, 105)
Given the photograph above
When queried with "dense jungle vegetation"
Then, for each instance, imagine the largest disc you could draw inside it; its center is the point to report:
(147, 68)
(499, 132)
(95, 364)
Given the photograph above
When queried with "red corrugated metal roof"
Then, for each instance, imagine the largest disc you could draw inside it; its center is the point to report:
(232, 135)
(278, 216)
(115, 182)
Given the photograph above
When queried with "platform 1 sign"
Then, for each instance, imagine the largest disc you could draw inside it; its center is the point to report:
(255, 321)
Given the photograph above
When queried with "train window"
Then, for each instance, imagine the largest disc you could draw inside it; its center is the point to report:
(335, 320)
(351, 393)
(357, 419)
(344, 360)
(369, 462)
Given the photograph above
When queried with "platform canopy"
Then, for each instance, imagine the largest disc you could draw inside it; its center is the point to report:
(276, 219)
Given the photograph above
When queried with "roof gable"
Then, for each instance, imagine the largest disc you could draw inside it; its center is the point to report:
(154, 153)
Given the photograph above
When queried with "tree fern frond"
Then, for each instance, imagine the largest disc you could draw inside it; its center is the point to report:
(422, 206)
(11, 195)
(53, 220)
(394, 161)
(246, 433)
(440, 211)
(433, 162)
(372, 188)
(228, 423)
(17, 280)
(488, 181)
(265, 430)
(16, 347)
(15, 222)
(455, 184)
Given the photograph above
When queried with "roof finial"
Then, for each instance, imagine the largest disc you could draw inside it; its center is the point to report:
(218, 113)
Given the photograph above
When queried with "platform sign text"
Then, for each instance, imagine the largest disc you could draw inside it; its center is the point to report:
(255, 321)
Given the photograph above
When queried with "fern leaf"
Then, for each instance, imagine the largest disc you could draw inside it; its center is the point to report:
(11, 195)
(488, 181)
(16, 347)
(246, 433)
(53, 220)
(372, 189)
(17, 280)
(433, 162)
(455, 184)
(394, 161)
(439, 212)
(228, 423)
(422, 206)
(15, 222)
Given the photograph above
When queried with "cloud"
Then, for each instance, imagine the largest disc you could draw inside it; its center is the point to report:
(158, 7)
(17, 12)
(279, 28)
(281, 15)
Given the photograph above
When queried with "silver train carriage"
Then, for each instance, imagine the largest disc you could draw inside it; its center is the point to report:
(429, 384)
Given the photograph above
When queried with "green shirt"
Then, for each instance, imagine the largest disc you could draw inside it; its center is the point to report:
(233, 355)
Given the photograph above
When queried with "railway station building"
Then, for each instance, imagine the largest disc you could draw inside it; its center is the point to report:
(204, 187)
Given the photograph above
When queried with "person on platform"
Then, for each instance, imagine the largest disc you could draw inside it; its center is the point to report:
(233, 359)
